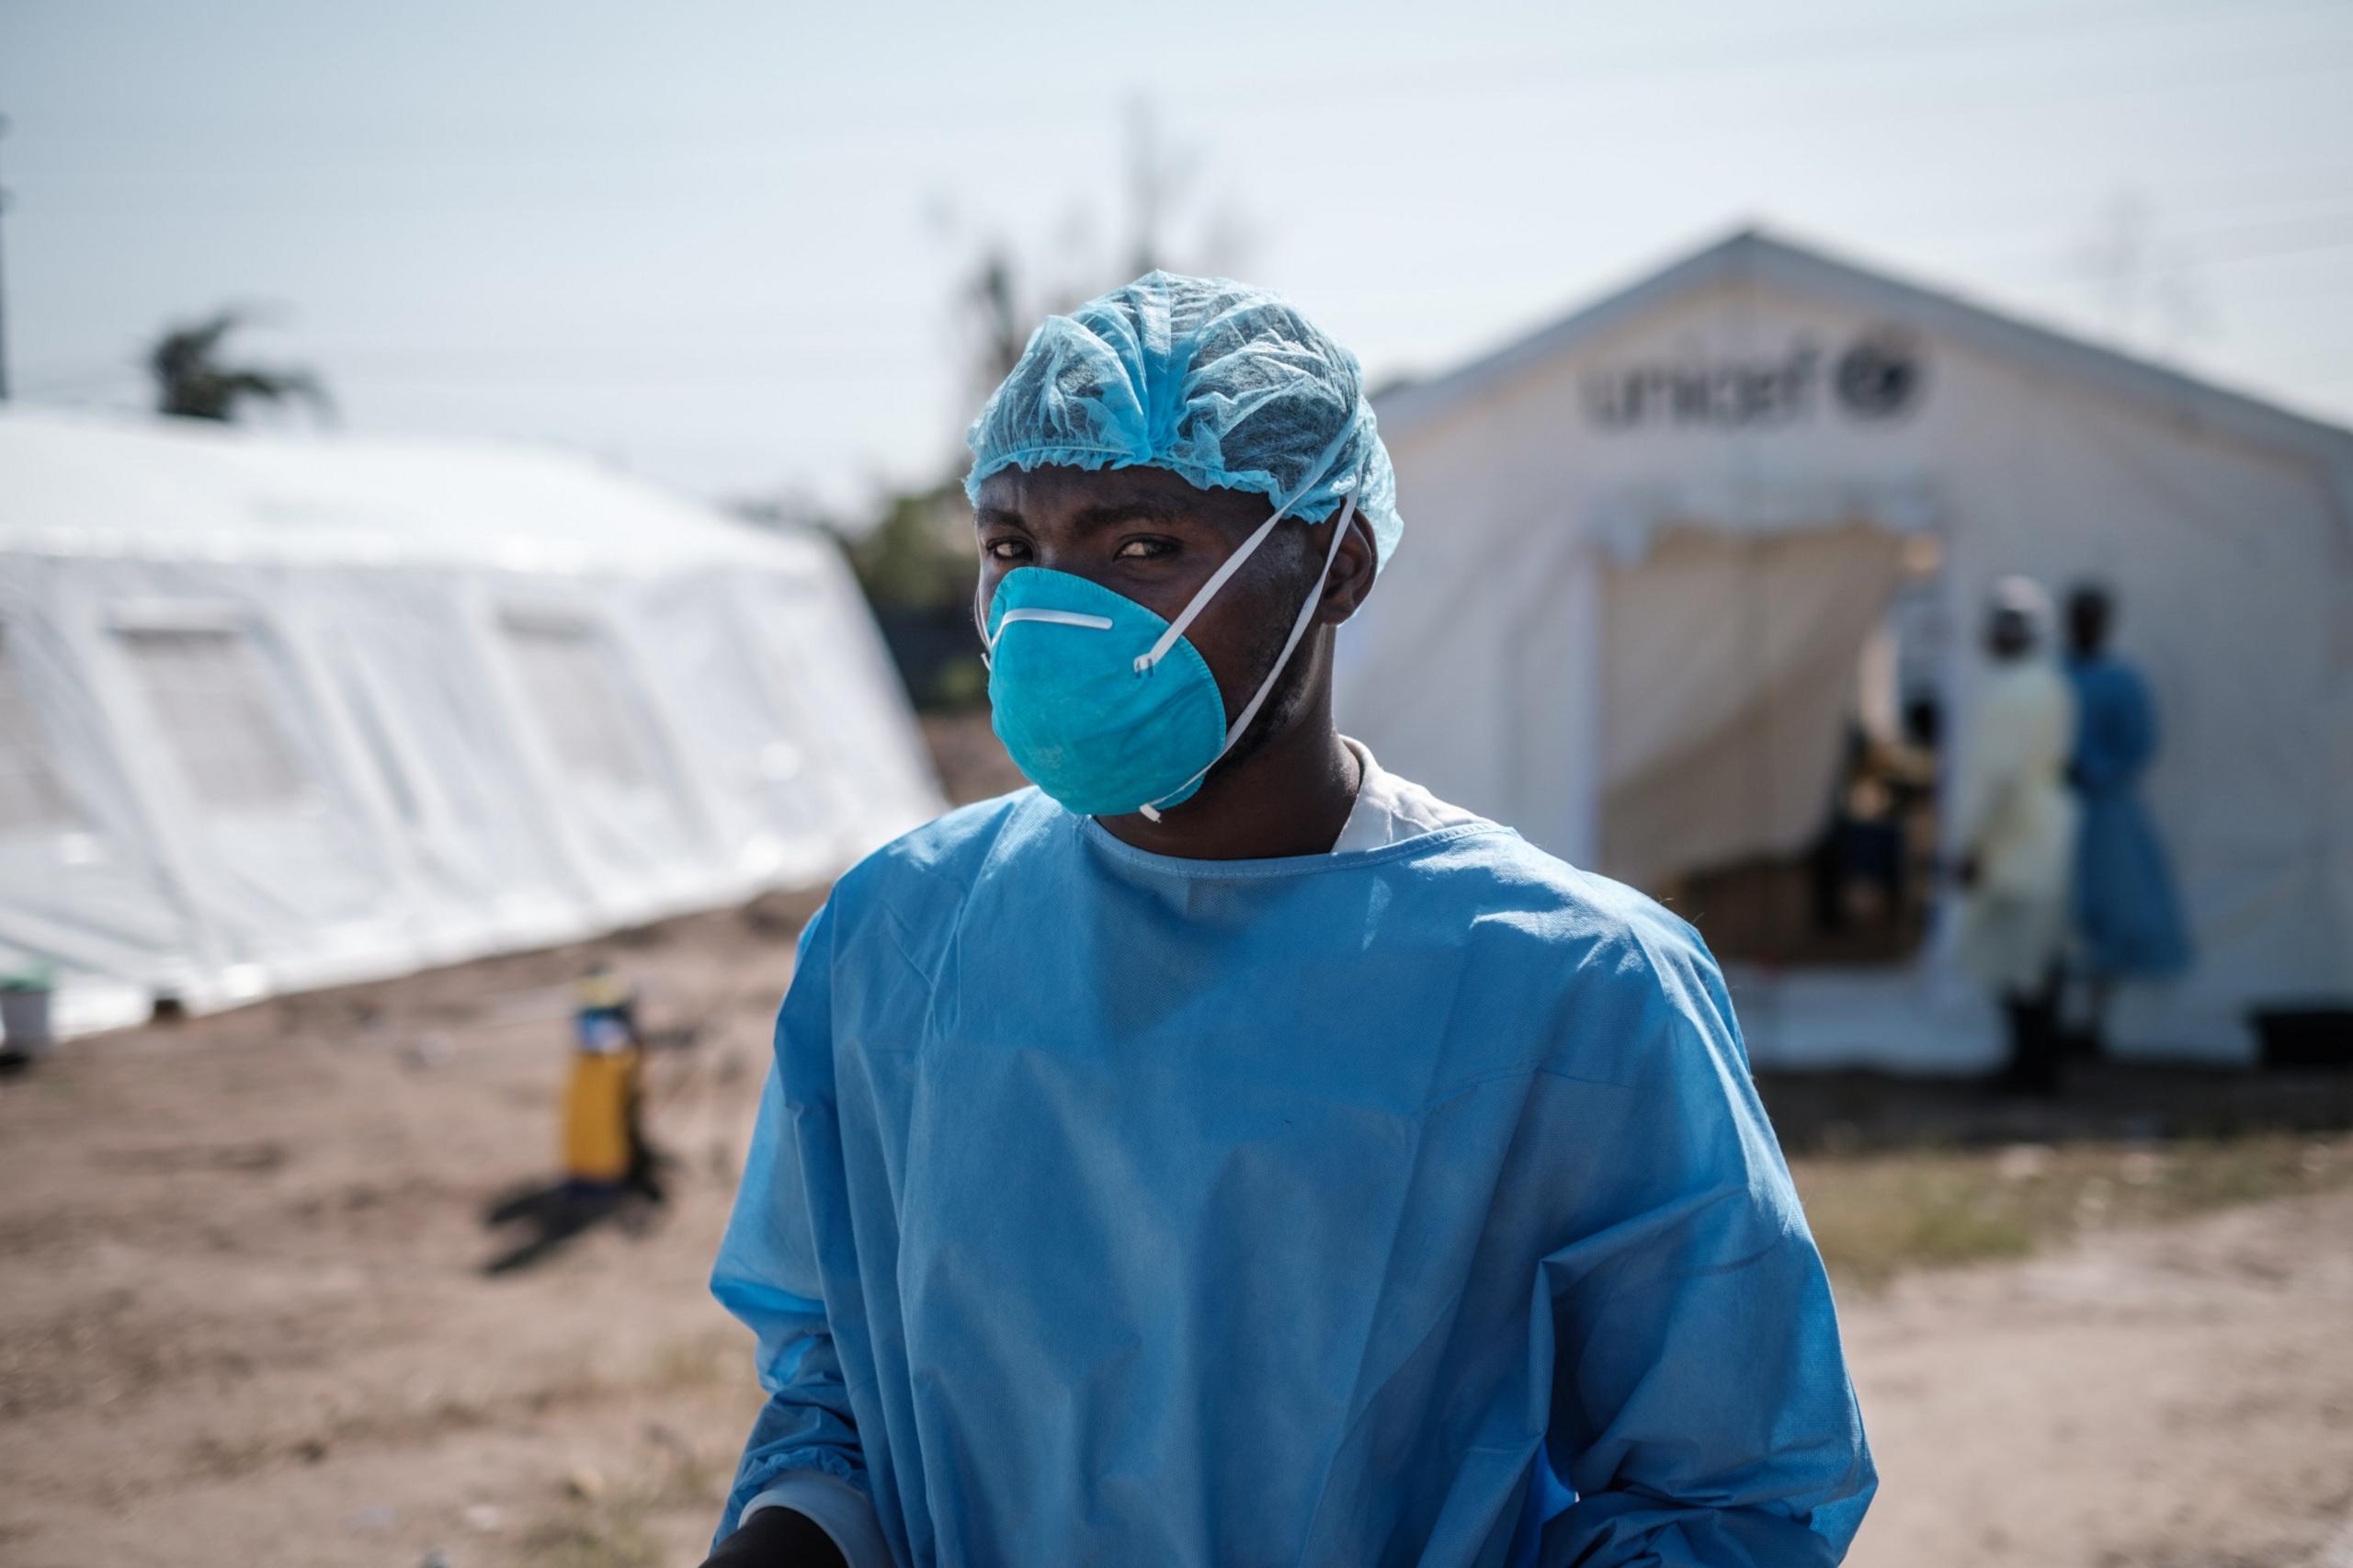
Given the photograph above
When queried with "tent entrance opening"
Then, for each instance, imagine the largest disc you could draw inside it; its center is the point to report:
(1758, 770)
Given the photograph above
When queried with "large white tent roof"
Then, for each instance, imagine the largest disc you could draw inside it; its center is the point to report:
(175, 489)
(278, 711)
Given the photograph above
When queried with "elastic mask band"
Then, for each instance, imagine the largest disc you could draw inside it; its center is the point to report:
(1298, 629)
(1224, 573)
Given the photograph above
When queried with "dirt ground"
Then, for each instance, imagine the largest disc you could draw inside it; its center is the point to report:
(242, 1320)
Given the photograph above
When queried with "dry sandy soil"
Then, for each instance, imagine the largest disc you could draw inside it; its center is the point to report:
(242, 1321)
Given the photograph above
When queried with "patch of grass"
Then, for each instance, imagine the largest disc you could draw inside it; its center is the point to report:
(600, 1530)
(608, 1534)
(701, 1360)
(1951, 1234)
(1876, 1215)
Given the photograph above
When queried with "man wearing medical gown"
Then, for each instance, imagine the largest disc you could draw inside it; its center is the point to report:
(1226, 1151)
(2128, 922)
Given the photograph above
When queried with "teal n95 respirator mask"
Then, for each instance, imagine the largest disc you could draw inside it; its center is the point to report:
(1105, 706)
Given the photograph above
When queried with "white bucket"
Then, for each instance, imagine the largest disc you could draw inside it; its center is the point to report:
(23, 1021)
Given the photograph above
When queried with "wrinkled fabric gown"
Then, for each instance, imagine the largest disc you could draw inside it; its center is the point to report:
(1409, 1204)
(2128, 921)
(2018, 819)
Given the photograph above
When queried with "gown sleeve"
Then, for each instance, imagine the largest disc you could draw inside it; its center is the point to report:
(803, 1452)
(1702, 1409)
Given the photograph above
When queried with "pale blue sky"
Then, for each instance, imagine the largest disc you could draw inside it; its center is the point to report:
(719, 242)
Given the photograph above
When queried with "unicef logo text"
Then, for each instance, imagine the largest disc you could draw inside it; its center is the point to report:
(1875, 380)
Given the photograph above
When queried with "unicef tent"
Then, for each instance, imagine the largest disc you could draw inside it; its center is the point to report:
(1662, 547)
(279, 713)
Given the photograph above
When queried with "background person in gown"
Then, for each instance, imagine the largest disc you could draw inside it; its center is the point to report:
(2128, 925)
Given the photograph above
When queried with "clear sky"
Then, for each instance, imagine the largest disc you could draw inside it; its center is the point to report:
(721, 243)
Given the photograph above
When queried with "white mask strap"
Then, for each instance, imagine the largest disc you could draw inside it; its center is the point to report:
(1323, 464)
(1200, 601)
(1298, 629)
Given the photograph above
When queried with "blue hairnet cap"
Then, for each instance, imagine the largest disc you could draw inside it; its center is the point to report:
(1223, 384)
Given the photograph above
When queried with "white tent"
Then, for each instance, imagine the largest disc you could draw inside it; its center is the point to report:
(1650, 543)
(281, 712)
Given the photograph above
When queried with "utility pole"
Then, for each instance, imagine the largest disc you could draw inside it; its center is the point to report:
(4, 285)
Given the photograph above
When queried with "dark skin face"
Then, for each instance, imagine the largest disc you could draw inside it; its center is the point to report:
(1287, 786)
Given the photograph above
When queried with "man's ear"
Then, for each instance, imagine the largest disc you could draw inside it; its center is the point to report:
(1352, 575)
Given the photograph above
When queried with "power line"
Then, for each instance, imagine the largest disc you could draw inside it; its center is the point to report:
(2195, 247)
(49, 384)
(1485, 75)
(4, 285)
(711, 144)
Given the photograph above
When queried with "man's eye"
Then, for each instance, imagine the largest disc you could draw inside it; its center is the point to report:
(1143, 549)
(1004, 548)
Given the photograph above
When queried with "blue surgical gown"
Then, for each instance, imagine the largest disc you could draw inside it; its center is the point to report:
(1404, 1206)
(2126, 915)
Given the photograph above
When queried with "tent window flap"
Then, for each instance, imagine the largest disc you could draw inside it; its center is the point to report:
(579, 701)
(211, 699)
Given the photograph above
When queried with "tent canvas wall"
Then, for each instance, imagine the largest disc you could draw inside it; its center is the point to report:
(281, 712)
(1650, 540)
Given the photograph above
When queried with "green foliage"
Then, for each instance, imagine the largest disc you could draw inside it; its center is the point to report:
(920, 556)
(959, 684)
(192, 381)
